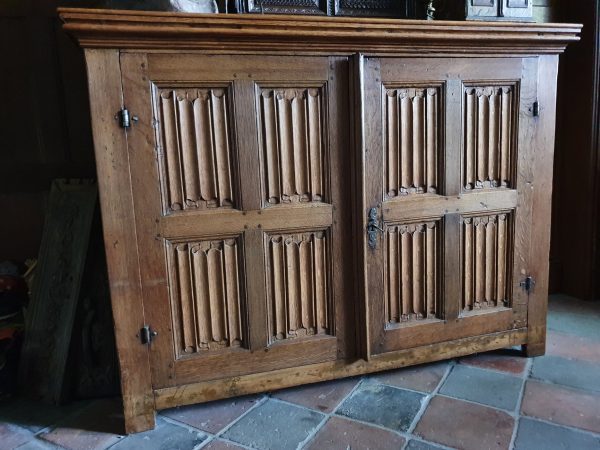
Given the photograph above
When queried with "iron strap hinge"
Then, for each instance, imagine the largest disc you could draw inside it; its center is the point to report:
(528, 284)
(125, 118)
(147, 334)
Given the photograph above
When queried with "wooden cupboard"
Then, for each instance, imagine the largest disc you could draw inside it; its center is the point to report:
(288, 200)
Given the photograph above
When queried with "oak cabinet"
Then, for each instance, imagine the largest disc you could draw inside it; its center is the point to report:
(293, 201)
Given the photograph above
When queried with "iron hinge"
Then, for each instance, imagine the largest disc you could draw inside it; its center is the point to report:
(528, 284)
(535, 109)
(147, 334)
(125, 118)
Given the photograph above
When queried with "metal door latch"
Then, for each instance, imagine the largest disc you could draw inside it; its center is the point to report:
(125, 118)
(528, 284)
(147, 334)
(373, 228)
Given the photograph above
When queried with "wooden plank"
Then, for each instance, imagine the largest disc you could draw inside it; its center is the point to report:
(145, 191)
(207, 224)
(56, 290)
(257, 33)
(120, 237)
(279, 379)
(435, 206)
(542, 146)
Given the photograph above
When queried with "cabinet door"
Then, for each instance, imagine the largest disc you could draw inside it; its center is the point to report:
(447, 186)
(240, 210)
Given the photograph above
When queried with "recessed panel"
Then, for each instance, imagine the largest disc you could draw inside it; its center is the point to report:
(412, 140)
(486, 261)
(298, 282)
(196, 150)
(207, 295)
(490, 115)
(411, 272)
(293, 139)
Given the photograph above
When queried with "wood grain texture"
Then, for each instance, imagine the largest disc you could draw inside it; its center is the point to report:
(119, 237)
(252, 33)
(298, 281)
(486, 257)
(280, 379)
(207, 293)
(411, 272)
(412, 140)
(489, 136)
(273, 239)
(293, 137)
(197, 148)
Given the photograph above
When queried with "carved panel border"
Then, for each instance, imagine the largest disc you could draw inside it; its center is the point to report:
(207, 291)
(196, 146)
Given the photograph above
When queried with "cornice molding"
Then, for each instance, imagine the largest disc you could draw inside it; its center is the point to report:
(97, 28)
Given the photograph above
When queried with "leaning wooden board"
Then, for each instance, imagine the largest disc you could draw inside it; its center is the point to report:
(297, 199)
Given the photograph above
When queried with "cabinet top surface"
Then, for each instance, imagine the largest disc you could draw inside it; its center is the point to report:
(99, 28)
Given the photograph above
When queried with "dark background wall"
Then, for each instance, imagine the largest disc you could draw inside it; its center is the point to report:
(44, 119)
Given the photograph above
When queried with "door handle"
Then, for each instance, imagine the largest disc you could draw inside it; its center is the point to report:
(373, 228)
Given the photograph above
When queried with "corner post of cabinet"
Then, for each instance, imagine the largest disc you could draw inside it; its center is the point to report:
(116, 201)
(542, 146)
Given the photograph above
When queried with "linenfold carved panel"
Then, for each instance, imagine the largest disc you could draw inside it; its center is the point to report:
(487, 256)
(207, 295)
(293, 130)
(412, 121)
(197, 151)
(298, 285)
(411, 272)
(489, 133)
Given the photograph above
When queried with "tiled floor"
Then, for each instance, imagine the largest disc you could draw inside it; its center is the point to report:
(491, 401)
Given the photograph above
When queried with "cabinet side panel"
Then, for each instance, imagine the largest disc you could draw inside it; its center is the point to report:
(119, 236)
(542, 146)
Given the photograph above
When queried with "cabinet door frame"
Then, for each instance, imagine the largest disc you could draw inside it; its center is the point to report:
(167, 238)
(441, 214)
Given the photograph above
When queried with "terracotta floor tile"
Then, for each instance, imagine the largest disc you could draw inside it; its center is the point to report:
(11, 437)
(382, 405)
(534, 435)
(572, 347)
(343, 434)
(463, 425)
(323, 397)
(421, 378)
(562, 405)
(508, 361)
(214, 416)
(96, 427)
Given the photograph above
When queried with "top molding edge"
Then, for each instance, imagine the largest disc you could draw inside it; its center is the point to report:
(99, 28)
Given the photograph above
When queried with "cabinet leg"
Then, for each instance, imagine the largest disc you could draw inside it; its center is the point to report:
(534, 349)
(138, 417)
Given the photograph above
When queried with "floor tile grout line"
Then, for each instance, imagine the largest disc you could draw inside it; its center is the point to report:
(508, 412)
(329, 415)
(219, 434)
(427, 400)
(513, 438)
